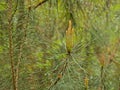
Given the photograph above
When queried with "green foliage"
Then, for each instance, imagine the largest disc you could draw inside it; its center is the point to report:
(40, 50)
(2, 6)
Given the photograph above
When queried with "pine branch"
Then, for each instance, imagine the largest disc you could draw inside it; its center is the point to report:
(20, 39)
(15, 10)
(36, 6)
(40, 3)
(102, 78)
(62, 72)
(11, 43)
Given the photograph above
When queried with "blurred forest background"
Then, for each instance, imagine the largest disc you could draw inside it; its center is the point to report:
(59, 44)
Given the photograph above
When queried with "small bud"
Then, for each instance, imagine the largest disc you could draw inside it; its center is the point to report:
(69, 37)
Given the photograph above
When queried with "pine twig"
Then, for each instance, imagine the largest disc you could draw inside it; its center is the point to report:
(102, 78)
(11, 43)
(40, 3)
(62, 73)
(36, 6)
